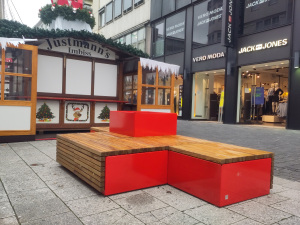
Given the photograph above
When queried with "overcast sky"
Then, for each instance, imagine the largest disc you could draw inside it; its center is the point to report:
(29, 10)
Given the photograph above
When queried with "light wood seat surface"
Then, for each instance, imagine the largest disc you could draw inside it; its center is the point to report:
(84, 153)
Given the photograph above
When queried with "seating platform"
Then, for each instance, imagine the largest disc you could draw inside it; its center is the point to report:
(218, 173)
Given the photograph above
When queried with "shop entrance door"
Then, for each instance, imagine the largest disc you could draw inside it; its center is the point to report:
(18, 82)
(207, 90)
(264, 93)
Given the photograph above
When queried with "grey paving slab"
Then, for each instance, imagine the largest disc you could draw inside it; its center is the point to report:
(292, 185)
(3, 197)
(18, 167)
(91, 205)
(292, 194)
(289, 206)
(175, 198)
(36, 204)
(259, 212)
(40, 144)
(17, 185)
(60, 219)
(9, 221)
(168, 215)
(6, 210)
(76, 192)
(51, 173)
(126, 194)
(290, 221)
(116, 216)
(140, 203)
(50, 151)
(66, 182)
(247, 222)
(270, 199)
(209, 214)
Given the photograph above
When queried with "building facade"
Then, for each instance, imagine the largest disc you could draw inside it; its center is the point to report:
(242, 70)
(125, 21)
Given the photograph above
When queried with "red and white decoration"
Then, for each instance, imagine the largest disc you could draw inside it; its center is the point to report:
(74, 3)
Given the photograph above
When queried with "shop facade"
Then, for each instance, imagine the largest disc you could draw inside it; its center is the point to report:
(242, 61)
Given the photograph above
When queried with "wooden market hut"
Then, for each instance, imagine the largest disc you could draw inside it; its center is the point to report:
(70, 80)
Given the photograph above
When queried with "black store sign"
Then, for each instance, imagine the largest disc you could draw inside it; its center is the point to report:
(227, 26)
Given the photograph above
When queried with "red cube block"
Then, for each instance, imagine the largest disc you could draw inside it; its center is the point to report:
(141, 123)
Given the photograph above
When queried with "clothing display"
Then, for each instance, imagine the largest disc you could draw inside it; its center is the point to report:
(282, 109)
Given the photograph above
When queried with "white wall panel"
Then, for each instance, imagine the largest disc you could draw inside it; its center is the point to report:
(78, 77)
(50, 73)
(105, 80)
(15, 118)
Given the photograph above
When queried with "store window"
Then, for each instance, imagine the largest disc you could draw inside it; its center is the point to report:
(127, 5)
(264, 15)
(102, 17)
(117, 8)
(207, 23)
(109, 13)
(175, 33)
(158, 39)
(130, 89)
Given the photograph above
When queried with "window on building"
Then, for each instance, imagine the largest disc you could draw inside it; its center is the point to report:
(158, 39)
(102, 17)
(138, 2)
(128, 39)
(127, 5)
(258, 15)
(130, 88)
(207, 22)
(272, 2)
(134, 37)
(182, 3)
(168, 6)
(117, 8)
(108, 13)
(175, 33)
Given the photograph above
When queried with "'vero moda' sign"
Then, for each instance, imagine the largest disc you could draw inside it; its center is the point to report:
(227, 23)
(268, 45)
(77, 47)
(209, 57)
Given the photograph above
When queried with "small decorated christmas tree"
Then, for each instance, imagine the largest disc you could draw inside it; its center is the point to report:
(104, 115)
(44, 113)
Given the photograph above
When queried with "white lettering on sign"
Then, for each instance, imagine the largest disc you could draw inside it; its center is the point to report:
(257, 2)
(268, 45)
(77, 47)
(178, 28)
(209, 57)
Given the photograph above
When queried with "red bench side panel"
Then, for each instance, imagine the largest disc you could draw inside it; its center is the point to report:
(245, 180)
(135, 171)
(195, 176)
(122, 122)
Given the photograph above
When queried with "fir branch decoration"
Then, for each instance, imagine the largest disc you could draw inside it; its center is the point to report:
(12, 29)
(47, 15)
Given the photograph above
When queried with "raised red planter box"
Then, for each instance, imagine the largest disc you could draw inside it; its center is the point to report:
(142, 123)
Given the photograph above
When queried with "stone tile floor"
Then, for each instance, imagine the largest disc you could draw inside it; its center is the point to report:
(35, 190)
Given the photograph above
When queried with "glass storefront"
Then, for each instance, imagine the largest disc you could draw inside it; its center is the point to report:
(264, 93)
(207, 90)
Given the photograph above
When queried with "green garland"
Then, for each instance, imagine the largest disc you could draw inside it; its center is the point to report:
(47, 15)
(12, 29)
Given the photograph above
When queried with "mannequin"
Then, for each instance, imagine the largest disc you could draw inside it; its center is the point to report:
(270, 98)
(278, 92)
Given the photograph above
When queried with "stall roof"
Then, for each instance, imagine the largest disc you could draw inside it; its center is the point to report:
(12, 29)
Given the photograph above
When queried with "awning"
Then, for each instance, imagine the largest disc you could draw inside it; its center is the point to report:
(161, 66)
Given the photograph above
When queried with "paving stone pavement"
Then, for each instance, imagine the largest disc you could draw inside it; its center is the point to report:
(35, 190)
